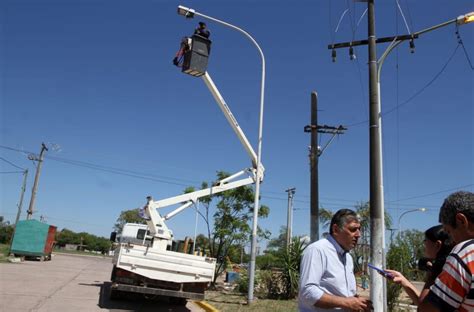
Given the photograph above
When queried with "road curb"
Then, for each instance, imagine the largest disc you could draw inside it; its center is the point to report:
(206, 306)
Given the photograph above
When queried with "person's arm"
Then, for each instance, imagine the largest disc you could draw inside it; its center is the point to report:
(351, 303)
(312, 267)
(409, 288)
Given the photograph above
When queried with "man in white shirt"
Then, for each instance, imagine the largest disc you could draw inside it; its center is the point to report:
(327, 281)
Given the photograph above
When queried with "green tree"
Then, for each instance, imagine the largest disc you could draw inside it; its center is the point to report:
(128, 216)
(6, 231)
(409, 248)
(325, 217)
(278, 243)
(66, 236)
(231, 220)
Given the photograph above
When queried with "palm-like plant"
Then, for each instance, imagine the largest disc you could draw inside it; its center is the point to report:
(291, 271)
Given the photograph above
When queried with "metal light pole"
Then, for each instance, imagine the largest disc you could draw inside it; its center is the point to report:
(189, 13)
(289, 221)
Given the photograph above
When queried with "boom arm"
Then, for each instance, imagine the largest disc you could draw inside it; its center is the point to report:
(230, 117)
(156, 223)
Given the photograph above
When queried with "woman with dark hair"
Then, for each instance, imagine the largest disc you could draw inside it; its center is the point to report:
(438, 245)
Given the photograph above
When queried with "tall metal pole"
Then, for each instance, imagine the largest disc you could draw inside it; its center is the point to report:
(35, 185)
(258, 175)
(289, 221)
(376, 180)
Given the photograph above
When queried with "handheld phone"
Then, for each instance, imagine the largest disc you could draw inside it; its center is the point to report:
(383, 272)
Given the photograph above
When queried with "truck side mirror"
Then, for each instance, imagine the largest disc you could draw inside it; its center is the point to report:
(113, 236)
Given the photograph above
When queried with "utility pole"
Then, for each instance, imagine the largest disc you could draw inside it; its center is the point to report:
(314, 152)
(20, 205)
(35, 185)
(377, 242)
(23, 188)
(289, 222)
(378, 283)
(377, 233)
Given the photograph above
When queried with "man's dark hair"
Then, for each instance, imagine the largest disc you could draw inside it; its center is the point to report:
(458, 202)
(342, 217)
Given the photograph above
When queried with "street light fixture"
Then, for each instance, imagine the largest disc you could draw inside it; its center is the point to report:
(400, 231)
(400, 218)
(190, 13)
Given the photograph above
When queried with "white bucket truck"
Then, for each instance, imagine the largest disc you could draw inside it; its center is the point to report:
(145, 263)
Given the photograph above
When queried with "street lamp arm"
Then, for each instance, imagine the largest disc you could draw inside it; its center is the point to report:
(460, 20)
(455, 20)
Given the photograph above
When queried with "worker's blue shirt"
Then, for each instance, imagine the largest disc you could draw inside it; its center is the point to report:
(325, 268)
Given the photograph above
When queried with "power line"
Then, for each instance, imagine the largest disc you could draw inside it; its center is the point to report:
(426, 86)
(458, 34)
(125, 172)
(151, 178)
(9, 162)
(435, 193)
(416, 93)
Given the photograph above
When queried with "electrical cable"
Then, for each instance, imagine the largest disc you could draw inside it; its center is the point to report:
(118, 171)
(458, 34)
(426, 86)
(403, 16)
(9, 162)
(435, 193)
(415, 94)
(410, 20)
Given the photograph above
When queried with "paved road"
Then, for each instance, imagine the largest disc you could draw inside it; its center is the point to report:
(68, 283)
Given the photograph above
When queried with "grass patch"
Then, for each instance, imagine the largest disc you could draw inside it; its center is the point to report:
(231, 302)
(78, 252)
(4, 248)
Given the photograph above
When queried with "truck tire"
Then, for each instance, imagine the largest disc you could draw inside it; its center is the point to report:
(115, 294)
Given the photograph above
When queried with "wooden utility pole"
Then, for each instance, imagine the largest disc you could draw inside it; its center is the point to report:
(314, 152)
(23, 188)
(35, 185)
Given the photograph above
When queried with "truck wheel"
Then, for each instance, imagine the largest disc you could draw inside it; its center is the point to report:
(114, 294)
(42, 258)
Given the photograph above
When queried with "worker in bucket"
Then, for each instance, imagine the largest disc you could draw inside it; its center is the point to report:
(186, 42)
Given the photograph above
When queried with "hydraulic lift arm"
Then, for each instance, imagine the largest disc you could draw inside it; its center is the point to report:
(156, 222)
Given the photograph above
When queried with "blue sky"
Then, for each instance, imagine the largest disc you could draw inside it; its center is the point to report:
(95, 78)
